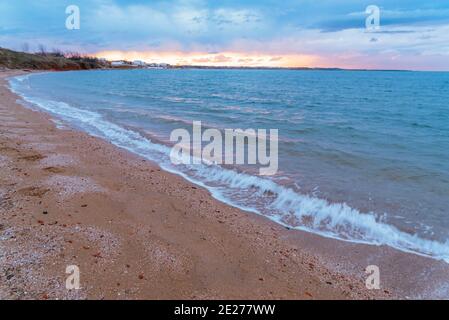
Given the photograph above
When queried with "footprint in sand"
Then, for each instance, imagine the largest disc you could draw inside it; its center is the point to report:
(33, 191)
(32, 157)
(54, 169)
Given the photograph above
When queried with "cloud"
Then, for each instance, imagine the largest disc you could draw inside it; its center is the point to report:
(333, 30)
(215, 59)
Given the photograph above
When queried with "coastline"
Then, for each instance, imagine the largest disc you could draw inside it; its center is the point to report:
(137, 232)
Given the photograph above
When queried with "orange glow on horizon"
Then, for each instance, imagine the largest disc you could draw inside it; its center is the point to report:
(231, 59)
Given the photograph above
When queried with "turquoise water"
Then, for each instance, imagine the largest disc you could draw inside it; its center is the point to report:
(363, 156)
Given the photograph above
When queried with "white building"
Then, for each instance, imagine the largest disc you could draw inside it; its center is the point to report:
(119, 63)
(157, 65)
(139, 63)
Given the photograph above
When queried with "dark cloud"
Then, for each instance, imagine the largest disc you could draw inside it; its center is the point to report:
(272, 26)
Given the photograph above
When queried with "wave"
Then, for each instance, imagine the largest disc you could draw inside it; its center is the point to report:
(252, 193)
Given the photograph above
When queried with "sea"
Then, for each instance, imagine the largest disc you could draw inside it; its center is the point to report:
(363, 155)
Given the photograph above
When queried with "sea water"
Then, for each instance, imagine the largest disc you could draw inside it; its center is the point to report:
(363, 155)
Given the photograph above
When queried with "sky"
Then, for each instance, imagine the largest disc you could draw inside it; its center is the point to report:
(412, 34)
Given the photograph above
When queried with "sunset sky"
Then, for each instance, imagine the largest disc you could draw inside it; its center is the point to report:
(413, 34)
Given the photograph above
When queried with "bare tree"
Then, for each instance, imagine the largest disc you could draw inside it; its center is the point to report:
(57, 53)
(42, 49)
(25, 47)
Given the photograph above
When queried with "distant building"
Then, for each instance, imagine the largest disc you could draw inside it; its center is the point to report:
(119, 63)
(157, 65)
(139, 63)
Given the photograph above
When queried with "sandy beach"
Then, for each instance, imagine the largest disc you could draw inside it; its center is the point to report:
(136, 232)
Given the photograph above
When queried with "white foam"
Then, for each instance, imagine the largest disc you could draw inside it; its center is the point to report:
(259, 195)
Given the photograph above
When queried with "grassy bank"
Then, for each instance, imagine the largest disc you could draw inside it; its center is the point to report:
(47, 61)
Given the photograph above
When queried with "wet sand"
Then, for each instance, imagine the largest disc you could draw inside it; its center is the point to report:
(137, 232)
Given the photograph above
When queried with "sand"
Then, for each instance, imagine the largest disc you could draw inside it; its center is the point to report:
(137, 232)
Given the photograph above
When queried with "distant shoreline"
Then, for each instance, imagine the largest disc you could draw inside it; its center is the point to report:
(260, 68)
(14, 60)
(286, 68)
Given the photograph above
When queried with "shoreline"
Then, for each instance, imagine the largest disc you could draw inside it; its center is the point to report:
(185, 244)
